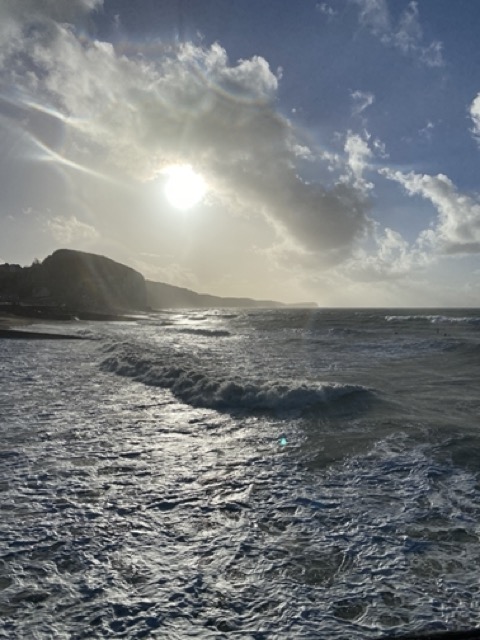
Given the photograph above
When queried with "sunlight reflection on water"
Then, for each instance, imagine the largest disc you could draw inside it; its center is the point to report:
(127, 512)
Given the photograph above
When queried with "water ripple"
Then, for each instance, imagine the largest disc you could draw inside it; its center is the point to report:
(127, 513)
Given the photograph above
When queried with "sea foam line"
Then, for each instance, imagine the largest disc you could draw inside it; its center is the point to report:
(435, 319)
(201, 389)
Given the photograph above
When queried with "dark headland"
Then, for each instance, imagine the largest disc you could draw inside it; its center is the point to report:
(73, 284)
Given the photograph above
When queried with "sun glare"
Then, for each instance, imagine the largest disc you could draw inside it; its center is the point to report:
(184, 188)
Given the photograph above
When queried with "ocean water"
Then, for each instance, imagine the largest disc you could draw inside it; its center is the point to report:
(242, 474)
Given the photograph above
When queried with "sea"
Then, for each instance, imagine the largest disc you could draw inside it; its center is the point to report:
(255, 474)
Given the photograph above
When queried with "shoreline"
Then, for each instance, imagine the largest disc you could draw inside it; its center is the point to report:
(13, 327)
(20, 322)
(10, 321)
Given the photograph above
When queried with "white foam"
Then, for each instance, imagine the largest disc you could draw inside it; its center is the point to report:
(197, 387)
(435, 319)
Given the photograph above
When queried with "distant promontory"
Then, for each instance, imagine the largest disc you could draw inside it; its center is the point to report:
(75, 283)
(161, 296)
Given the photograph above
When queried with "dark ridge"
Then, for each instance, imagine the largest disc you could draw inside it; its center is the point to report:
(14, 334)
(91, 282)
(69, 283)
(74, 284)
(167, 296)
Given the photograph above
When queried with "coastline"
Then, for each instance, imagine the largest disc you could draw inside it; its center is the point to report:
(14, 327)
(9, 321)
(18, 321)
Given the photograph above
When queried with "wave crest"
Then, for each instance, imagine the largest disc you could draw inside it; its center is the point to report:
(192, 386)
(435, 319)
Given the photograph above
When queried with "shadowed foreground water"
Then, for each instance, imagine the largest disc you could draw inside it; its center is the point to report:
(214, 475)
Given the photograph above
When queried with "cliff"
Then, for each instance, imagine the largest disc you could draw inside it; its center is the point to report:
(85, 284)
(90, 281)
(167, 296)
(75, 281)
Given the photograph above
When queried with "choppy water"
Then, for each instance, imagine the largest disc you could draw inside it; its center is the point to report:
(271, 474)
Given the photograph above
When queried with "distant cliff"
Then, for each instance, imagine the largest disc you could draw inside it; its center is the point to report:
(167, 296)
(75, 281)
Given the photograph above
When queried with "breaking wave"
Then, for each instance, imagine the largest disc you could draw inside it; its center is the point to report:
(435, 319)
(199, 388)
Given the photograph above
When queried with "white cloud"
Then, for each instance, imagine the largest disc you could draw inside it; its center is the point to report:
(130, 116)
(432, 55)
(303, 152)
(191, 105)
(358, 156)
(391, 258)
(16, 13)
(409, 36)
(458, 227)
(374, 14)
(380, 148)
(427, 131)
(71, 231)
(406, 35)
(475, 115)
(57, 10)
(362, 100)
(326, 10)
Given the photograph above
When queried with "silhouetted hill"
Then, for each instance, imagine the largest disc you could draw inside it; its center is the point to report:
(86, 284)
(74, 281)
(87, 280)
(167, 296)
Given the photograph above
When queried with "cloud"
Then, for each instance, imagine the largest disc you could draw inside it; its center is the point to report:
(358, 153)
(57, 10)
(457, 230)
(374, 15)
(406, 36)
(303, 152)
(390, 258)
(15, 14)
(362, 100)
(71, 231)
(326, 9)
(132, 116)
(475, 116)
(426, 132)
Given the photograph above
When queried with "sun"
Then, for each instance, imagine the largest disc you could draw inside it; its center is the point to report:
(184, 188)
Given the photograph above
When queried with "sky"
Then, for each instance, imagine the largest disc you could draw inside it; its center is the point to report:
(336, 142)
